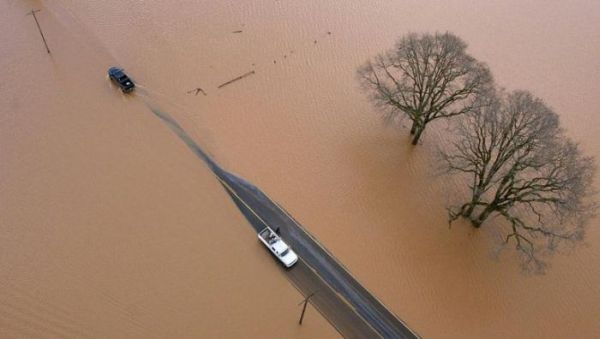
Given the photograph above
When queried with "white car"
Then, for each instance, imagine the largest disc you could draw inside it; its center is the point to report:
(278, 247)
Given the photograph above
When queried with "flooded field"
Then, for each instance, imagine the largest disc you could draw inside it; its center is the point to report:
(110, 226)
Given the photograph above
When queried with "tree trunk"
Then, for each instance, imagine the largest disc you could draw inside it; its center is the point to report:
(474, 200)
(413, 129)
(467, 213)
(417, 135)
(482, 217)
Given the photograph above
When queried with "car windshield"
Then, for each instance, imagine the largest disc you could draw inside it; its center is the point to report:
(123, 77)
(287, 250)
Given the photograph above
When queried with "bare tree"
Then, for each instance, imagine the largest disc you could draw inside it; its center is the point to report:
(425, 77)
(522, 167)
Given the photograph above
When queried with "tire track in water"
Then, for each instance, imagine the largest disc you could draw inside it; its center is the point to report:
(373, 313)
(182, 134)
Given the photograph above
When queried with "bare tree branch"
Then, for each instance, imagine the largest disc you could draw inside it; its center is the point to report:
(425, 77)
(523, 168)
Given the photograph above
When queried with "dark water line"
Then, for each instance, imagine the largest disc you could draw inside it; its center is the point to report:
(225, 176)
(182, 134)
(371, 309)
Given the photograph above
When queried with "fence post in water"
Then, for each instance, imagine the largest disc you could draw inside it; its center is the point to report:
(39, 28)
(305, 301)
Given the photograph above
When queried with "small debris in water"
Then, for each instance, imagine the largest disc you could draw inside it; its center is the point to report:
(237, 32)
(236, 79)
(196, 90)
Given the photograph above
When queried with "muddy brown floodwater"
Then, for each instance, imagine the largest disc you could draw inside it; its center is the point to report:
(110, 227)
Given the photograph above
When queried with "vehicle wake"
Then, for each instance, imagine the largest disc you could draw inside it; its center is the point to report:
(341, 299)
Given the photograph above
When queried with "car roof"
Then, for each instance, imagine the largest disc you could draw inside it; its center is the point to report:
(115, 70)
(279, 246)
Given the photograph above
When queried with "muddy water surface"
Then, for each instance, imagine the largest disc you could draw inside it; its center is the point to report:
(301, 129)
(109, 226)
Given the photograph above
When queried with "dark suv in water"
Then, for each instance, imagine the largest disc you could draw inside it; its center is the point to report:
(117, 75)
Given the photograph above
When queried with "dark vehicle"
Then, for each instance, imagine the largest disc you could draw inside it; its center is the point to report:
(117, 75)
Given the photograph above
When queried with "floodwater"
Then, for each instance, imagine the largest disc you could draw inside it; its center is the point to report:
(109, 225)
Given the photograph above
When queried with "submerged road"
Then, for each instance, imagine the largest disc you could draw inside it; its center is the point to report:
(338, 296)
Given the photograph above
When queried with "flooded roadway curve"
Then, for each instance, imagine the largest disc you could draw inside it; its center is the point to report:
(346, 304)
